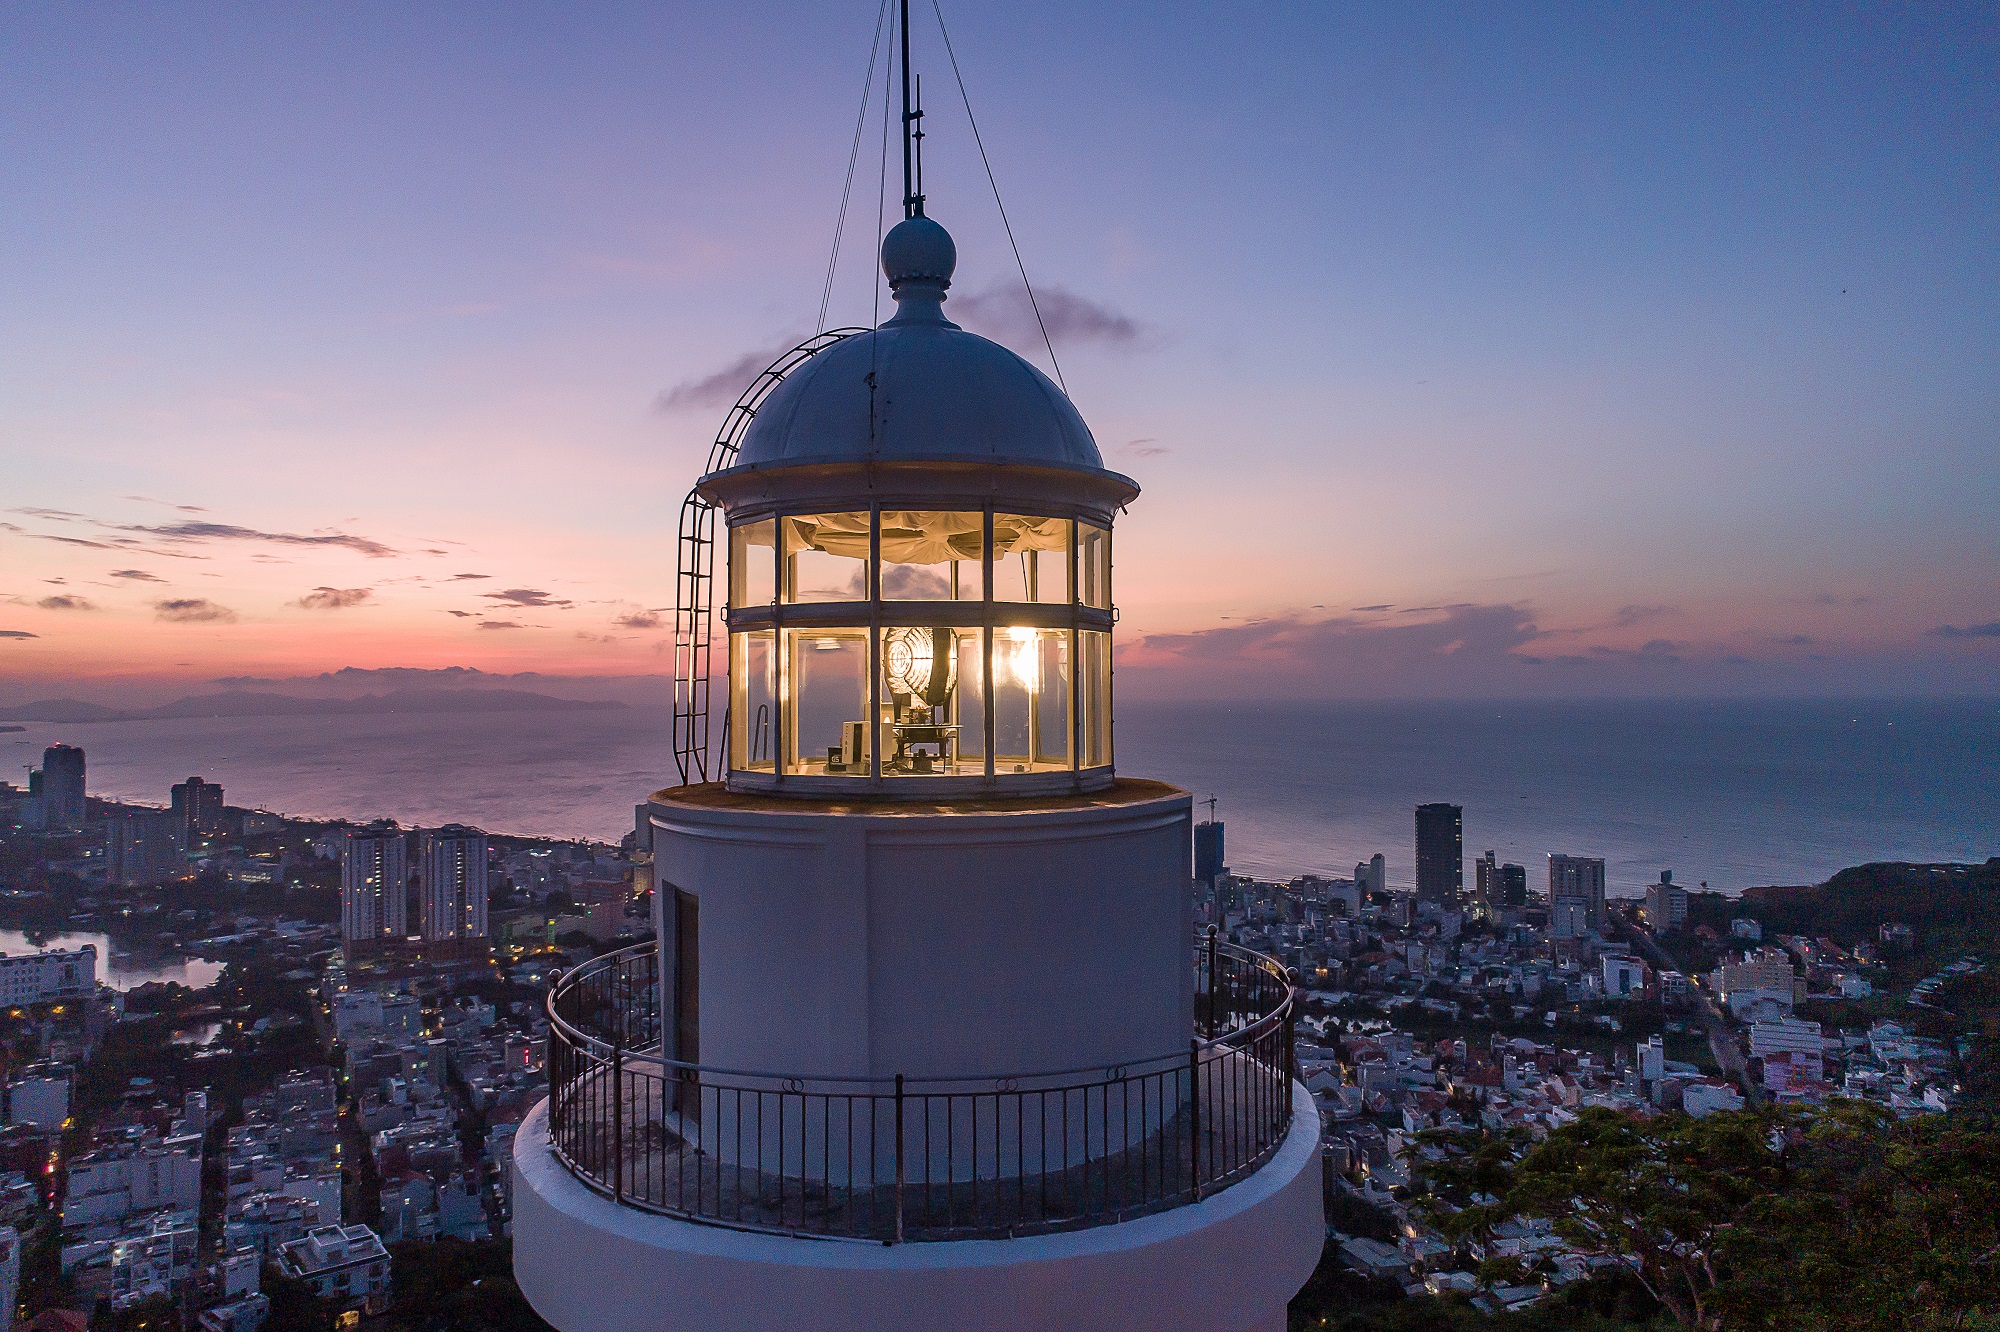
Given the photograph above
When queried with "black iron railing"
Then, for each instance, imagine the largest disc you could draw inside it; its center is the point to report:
(906, 1159)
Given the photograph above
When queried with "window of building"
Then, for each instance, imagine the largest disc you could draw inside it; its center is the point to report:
(933, 702)
(753, 713)
(932, 556)
(826, 557)
(1094, 698)
(753, 563)
(1031, 558)
(1093, 566)
(826, 697)
(1031, 691)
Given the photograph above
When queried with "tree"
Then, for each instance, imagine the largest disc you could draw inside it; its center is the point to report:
(1665, 1197)
(1895, 1225)
(1847, 1221)
(294, 1305)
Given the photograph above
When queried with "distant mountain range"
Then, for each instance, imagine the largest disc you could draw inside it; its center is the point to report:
(244, 703)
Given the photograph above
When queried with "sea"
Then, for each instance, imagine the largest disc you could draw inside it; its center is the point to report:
(1729, 794)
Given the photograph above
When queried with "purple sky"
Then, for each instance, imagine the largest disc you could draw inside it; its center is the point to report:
(1559, 351)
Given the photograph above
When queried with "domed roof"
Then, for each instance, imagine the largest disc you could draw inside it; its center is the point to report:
(919, 388)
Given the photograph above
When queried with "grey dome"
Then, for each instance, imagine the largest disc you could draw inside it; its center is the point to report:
(918, 247)
(939, 393)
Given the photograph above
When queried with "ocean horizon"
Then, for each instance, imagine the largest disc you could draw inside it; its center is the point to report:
(1730, 793)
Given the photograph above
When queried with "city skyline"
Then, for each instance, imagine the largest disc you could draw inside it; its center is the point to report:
(1661, 364)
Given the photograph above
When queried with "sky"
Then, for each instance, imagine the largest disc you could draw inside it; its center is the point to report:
(1490, 351)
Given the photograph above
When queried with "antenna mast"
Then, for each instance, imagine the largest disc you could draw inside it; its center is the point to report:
(913, 130)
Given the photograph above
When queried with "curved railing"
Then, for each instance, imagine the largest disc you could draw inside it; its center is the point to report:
(906, 1159)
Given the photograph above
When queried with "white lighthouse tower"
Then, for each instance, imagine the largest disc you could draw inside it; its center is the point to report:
(927, 1039)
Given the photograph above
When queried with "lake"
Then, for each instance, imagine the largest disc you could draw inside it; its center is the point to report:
(121, 971)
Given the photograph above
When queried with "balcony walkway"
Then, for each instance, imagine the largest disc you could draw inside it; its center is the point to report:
(991, 1158)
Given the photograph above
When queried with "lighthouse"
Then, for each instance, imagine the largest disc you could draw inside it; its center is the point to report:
(926, 1038)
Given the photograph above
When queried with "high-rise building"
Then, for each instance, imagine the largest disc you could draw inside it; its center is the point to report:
(1440, 853)
(1497, 887)
(198, 806)
(1666, 903)
(1210, 858)
(1372, 875)
(58, 784)
(374, 885)
(1576, 895)
(451, 883)
(1485, 885)
(142, 849)
(913, 892)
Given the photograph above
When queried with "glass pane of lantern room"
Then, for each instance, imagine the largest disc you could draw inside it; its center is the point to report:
(931, 556)
(932, 706)
(1094, 697)
(826, 557)
(753, 701)
(1031, 731)
(826, 682)
(753, 565)
(969, 702)
(1031, 558)
(1093, 566)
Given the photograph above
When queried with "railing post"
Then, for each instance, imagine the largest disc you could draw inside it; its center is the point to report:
(618, 1117)
(1291, 1018)
(1213, 988)
(899, 1159)
(1194, 1115)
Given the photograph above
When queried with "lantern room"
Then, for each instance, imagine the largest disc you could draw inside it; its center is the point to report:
(919, 554)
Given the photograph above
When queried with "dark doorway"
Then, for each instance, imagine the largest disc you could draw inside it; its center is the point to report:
(682, 949)
(687, 977)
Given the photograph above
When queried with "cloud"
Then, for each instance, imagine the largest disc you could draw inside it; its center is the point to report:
(193, 610)
(1656, 652)
(1004, 314)
(1387, 605)
(722, 387)
(1144, 448)
(66, 603)
(1628, 616)
(526, 596)
(640, 620)
(1462, 650)
(1656, 649)
(230, 532)
(17, 633)
(1991, 630)
(467, 578)
(168, 504)
(334, 598)
(500, 624)
(463, 615)
(60, 515)
(136, 575)
(72, 541)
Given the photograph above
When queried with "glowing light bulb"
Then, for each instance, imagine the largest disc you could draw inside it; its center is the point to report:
(1019, 659)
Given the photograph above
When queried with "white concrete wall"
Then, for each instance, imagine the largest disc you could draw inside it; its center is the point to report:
(936, 943)
(1226, 1264)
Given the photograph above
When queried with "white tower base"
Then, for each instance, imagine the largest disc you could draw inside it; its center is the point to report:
(1226, 1264)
